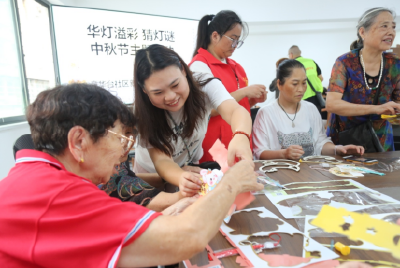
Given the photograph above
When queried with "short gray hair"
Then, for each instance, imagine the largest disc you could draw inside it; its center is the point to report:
(366, 21)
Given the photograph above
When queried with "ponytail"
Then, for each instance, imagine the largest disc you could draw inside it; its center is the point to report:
(203, 39)
(224, 21)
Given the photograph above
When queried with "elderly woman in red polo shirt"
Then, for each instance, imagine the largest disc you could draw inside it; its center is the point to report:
(53, 214)
(217, 38)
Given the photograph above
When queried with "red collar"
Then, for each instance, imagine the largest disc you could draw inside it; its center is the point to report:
(28, 155)
(212, 60)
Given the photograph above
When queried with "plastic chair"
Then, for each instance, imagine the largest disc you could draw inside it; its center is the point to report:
(23, 142)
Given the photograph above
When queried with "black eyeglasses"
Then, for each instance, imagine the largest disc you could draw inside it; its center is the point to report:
(235, 42)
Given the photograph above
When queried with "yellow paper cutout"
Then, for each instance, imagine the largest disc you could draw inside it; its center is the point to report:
(379, 263)
(359, 226)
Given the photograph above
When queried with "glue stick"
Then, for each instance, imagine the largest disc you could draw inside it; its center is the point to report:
(345, 250)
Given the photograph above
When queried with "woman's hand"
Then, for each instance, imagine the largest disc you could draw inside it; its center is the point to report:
(293, 152)
(179, 206)
(189, 183)
(255, 91)
(349, 149)
(239, 147)
(192, 169)
(387, 108)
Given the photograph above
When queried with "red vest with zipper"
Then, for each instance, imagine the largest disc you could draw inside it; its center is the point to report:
(232, 76)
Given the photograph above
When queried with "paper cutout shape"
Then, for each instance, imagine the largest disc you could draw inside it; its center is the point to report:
(243, 199)
(283, 260)
(311, 245)
(330, 219)
(220, 154)
(210, 179)
(213, 263)
(276, 164)
(310, 203)
(243, 262)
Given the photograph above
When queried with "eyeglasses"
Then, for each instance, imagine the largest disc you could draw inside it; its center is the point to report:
(126, 142)
(235, 42)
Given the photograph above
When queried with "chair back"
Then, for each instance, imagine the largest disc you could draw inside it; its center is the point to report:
(23, 142)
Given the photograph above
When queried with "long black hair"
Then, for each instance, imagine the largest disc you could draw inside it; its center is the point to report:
(152, 121)
(224, 21)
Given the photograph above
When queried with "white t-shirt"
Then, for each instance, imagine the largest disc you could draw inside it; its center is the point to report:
(272, 129)
(216, 94)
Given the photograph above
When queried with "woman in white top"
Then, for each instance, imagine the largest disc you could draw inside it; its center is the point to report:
(290, 128)
(172, 109)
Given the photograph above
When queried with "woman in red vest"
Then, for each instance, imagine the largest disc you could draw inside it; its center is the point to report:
(217, 38)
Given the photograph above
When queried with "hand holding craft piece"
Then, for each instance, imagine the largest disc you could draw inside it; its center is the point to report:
(220, 154)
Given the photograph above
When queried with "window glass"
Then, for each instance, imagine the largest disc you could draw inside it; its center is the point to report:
(36, 45)
(12, 99)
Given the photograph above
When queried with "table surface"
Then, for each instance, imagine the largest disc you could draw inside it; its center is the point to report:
(249, 222)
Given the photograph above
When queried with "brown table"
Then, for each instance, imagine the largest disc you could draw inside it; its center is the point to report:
(292, 245)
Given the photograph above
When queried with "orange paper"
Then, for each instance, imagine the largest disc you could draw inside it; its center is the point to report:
(243, 199)
(282, 260)
(220, 154)
(324, 264)
(243, 262)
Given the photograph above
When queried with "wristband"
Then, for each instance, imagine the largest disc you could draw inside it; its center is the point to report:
(335, 147)
(241, 132)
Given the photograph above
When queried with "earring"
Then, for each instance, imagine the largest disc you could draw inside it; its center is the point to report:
(81, 161)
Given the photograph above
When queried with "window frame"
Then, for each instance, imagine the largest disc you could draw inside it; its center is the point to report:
(24, 82)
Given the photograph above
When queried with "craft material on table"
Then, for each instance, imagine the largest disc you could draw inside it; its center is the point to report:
(324, 157)
(338, 193)
(268, 260)
(352, 171)
(273, 165)
(360, 226)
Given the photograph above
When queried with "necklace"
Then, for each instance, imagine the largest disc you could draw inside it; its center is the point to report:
(179, 132)
(380, 72)
(287, 114)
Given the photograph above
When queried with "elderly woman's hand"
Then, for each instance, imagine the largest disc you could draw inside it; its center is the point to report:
(387, 108)
(349, 149)
(242, 177)
(189, 183)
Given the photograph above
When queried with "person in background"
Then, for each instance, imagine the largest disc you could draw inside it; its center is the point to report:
(172, 108)
(314, 76)
(218, 36)
(273, 87)
(357, 75)
(289, 127)
(64, 220)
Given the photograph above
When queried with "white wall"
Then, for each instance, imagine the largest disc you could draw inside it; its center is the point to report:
(8, 135)
(322, 41)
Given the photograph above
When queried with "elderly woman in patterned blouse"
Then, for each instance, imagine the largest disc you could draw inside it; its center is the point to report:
(357, 75)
